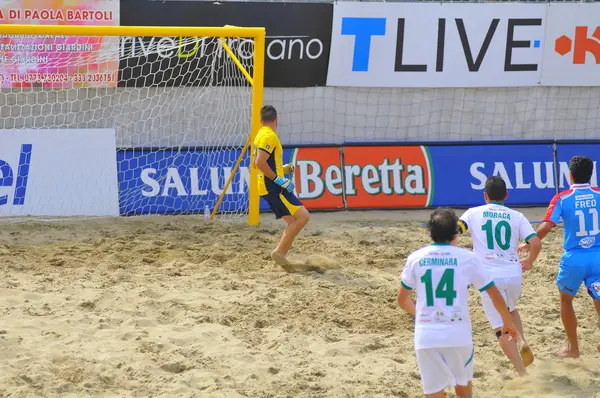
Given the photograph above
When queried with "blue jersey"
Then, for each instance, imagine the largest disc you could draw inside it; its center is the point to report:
(579, 208)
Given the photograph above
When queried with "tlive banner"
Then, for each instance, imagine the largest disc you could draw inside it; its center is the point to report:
(68, 172)
(297, 45)
(464, 45)
(350, 177)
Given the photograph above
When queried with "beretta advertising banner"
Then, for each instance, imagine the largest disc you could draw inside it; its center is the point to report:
(452, 175)
(297, 47)
(370, 177)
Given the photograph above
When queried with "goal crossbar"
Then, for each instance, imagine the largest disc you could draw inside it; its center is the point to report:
(256, 80)
(104, 30)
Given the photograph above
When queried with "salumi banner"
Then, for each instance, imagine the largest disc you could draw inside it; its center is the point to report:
(59, 61)
(58, 172)
(564, 153)
(173, 181)
(350, 177)
(464, 45)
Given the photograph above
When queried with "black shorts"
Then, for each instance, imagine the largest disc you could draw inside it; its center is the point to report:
(283, 203)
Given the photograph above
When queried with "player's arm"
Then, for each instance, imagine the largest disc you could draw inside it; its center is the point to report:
(406, 286)
(500, 305)
(482, 281)
(532, 240)
(404, 300)
(463, 222)
(264, 149)
(551, 219)
(534, 245)
(262, 156)
(544, 228)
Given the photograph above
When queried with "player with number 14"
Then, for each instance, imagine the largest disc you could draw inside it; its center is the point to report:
(441, 274)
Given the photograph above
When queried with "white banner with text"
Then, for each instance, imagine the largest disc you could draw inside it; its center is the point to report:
(464, 45)
(58, 172)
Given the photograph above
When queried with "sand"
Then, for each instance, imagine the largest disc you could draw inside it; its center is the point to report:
(173, 307)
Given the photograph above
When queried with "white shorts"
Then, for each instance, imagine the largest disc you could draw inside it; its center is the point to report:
(510, 288)
(441, 368)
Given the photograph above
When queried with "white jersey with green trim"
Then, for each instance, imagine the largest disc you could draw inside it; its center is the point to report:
(496, 231)
(441, 275)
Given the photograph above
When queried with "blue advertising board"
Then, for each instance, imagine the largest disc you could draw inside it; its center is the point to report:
(460, 172)
(564, 153)
(173, 181)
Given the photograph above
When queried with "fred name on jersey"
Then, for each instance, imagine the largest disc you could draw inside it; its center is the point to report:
(585, 201)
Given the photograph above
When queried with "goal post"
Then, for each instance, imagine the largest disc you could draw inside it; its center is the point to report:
(224, 83)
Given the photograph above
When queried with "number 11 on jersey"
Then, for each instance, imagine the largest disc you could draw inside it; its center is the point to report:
(582, 225)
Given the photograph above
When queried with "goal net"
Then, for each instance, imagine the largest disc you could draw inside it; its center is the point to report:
(181, 103)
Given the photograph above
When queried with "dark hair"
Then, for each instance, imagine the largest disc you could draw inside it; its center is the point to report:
(268, 114)
(495, 187)
(581, 168)
(442, 225)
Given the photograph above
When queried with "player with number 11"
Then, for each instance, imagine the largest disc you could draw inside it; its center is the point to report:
(578, 207)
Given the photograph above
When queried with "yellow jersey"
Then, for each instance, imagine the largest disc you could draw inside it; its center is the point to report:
(267, 140)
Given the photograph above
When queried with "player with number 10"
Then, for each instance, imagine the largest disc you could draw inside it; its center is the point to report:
(496, 231)
(579, 208)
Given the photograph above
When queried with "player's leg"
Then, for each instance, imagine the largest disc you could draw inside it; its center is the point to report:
(592, 283)
(464, 391)
(569, 320)
(597, 305)
(525, 350)
(514, 288)
(296, 216)
(435, 374)
(461, 364)
(568, 281)
(280, 210)
(508, 345)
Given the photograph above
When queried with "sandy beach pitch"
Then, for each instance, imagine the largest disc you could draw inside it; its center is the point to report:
(173, 307)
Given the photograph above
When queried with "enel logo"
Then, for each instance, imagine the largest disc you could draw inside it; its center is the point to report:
(8, 179)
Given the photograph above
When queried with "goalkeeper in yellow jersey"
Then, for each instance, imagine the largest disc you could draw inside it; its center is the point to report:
(274, 187)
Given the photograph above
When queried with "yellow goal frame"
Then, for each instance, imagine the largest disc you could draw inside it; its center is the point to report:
(256, 80)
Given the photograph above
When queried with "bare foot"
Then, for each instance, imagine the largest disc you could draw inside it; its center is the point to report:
(282, 261)
(526, 355)
(567, 352)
